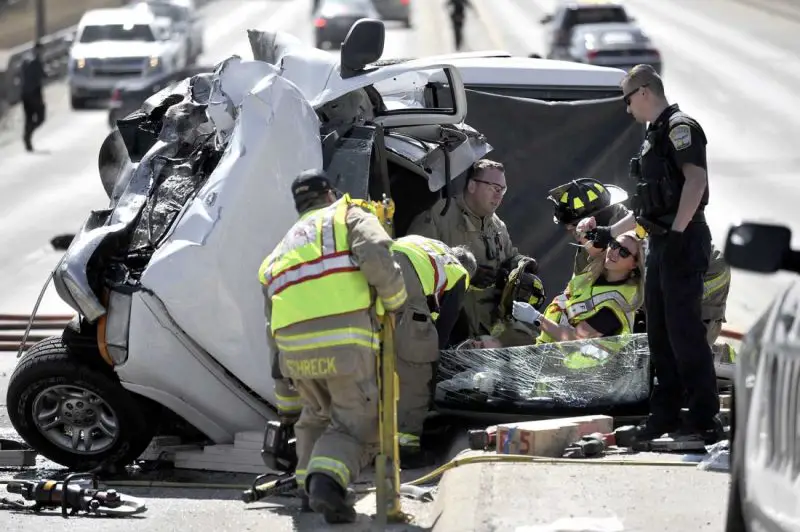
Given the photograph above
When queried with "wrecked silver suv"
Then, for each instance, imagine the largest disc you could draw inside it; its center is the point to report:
(169, 336)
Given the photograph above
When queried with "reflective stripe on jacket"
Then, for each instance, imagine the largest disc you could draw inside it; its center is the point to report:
(311, 274)
(583, 299)
(436, 266)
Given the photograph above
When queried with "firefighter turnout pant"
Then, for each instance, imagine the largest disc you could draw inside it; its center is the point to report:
(338, 424)
(417, 348)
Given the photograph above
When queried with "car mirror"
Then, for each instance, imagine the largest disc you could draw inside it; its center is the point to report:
(546, 19)
(362, 46)
(757, 247)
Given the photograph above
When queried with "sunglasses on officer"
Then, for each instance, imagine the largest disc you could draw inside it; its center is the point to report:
(627, 96)
(619, 248)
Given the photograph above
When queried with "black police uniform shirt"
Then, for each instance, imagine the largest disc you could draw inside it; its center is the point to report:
(682, 143)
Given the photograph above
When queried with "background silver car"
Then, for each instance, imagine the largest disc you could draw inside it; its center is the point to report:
(620, 45)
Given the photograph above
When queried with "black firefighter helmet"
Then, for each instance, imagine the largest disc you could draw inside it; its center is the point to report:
(581, 198)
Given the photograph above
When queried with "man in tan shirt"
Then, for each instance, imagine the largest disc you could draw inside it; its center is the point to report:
(471, 221)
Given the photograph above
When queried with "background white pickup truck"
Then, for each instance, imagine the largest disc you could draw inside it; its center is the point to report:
(117, 44)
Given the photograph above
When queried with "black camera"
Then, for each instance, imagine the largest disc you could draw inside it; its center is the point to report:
(635, 168)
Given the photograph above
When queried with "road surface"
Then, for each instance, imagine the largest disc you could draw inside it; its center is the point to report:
(731, 65)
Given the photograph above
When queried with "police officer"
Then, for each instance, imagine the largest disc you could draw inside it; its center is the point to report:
(32, 77)
(471, 221)
(325, 285)
(671, 195)
(436, 278)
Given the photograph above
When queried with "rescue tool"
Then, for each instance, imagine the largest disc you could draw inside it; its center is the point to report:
(387, 463)
(72, 495)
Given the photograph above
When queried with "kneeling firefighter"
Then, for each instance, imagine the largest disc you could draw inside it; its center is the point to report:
(326, 283)
(436, 277)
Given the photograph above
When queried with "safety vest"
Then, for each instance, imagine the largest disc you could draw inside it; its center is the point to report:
(311, 273)
(582, 300)
(436, 266)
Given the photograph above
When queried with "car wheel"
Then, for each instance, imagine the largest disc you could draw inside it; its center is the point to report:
(77, 103)
(734, 522)
(75, 415)
(407, 23)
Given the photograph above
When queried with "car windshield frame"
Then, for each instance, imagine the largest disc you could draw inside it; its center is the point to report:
(117, 32)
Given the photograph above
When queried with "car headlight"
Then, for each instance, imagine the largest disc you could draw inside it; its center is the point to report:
(155, 62)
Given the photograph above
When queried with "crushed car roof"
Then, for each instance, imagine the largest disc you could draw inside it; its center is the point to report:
(526, 71)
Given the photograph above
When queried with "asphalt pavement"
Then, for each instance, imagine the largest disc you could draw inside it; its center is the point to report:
(732, 65)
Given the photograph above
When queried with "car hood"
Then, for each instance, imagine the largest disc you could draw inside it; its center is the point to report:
(116, 49)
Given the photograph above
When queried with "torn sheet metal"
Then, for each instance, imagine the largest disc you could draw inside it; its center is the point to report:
(537, 377)
(235, 220)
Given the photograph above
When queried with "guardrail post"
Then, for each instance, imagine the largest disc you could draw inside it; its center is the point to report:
(41, 26)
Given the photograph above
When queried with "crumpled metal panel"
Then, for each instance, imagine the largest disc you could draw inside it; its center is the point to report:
(535, 377)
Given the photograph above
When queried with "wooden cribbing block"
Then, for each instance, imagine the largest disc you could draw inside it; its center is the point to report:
(725, 400)
(548, 437)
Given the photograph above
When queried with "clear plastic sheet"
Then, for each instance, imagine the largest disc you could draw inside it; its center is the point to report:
(718, 457)
(539, 375)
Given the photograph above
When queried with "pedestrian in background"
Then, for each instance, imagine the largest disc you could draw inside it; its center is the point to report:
(32, 78)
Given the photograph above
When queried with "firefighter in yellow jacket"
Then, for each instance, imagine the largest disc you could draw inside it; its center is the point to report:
(325, 284)
(436, 278)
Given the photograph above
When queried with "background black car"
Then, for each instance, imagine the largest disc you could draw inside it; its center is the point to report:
(334, 18)
(128, 96)
(765, 452)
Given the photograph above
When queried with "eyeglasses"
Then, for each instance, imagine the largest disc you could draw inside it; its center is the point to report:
(499, 189)
(627, 97)
(622, 250)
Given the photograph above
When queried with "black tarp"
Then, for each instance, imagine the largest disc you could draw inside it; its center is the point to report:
(542, 145)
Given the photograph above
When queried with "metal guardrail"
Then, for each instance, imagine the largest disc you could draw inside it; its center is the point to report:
(55, 54)
(12, 329)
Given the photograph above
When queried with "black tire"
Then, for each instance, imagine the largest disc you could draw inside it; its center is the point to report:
(77, 103)
(407, 23)
(49, 363)
(734, 521)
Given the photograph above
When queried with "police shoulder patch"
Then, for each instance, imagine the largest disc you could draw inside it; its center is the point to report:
(681, 136)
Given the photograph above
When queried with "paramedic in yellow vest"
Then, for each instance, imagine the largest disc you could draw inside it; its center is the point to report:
(598, 303)
(326, 283)
(436, 278)
(471, 221)
(716, 281)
